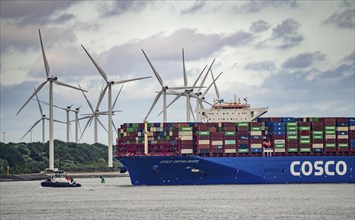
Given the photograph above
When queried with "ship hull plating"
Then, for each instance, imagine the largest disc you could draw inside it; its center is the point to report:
(195, 170)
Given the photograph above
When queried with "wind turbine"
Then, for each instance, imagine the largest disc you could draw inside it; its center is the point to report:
(68, 109)
(199, 99)
(93, 116)
(108, 86)
(163, 91)
(188, 93)
(51, 79)
(43, 118)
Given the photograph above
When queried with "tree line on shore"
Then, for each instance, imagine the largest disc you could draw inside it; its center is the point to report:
(23, 158)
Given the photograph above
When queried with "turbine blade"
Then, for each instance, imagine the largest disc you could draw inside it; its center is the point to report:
(199, 76)
(91, 119)
(114, 126)
(114, 103)
(87, 100)
(184, 87)
(215, 86)
(67, 85)
(204, 79)
(129, 80)
(84, 117)
(204, 93)
(184, 70)
(59, 121)
(100, 98)
(117, 111)
(102, 124)
(46, 66)
(192, 112)
(31, 128)
(39, 104)
(53, 105)
(87, 123)
(103, 74)
(206, 103)
(33, 94)
(154, 70)
(154, 102)
(172, 102)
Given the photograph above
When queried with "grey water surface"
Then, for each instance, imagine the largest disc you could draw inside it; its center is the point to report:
(117, 199)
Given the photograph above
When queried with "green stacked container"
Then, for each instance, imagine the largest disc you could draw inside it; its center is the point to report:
(291, 130)
(242, 124)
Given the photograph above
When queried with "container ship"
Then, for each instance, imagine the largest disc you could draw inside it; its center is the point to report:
(234, 145)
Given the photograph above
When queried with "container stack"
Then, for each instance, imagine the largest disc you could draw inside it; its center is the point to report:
(342, 132)
(230, 142)
(277, 130)
(216, 139)
(288, 136)
(329, 134)
(317, 137)
(292, 136)
(202, 139)
(186, 137)
(304, 137)
(256, 137)
(243, 137)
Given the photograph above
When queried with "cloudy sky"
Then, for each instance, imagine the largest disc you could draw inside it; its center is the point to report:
(296, 57)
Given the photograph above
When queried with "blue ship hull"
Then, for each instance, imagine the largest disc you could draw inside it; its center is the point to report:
(195, 170)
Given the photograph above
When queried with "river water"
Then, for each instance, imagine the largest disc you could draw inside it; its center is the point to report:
(117, 199)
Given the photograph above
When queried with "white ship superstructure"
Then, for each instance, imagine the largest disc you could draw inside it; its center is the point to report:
(234, 111)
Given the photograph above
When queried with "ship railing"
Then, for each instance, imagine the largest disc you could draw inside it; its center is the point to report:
(267, 152)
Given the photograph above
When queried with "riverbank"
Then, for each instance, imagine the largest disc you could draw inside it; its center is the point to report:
(42, 176)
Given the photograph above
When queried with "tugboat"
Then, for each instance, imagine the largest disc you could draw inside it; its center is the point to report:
(60, 180)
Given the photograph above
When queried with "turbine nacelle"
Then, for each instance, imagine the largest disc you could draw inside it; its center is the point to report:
(52, 78)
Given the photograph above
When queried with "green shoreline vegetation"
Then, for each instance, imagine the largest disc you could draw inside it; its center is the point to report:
(25, 158)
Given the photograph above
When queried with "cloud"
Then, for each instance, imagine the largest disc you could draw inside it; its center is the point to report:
(258, 5)
(35, 12)
(344, 19)
(288, 89)
(259, 26)
(261, 66)
(303, 60)
(115, 8)
(163, 48)
(198, 5)
(350, 57)
(347, 3)
(27, 37)
(287, 32)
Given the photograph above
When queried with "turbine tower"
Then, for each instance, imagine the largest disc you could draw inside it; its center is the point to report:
(51, 79)
(76, 111)
(108, 87)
